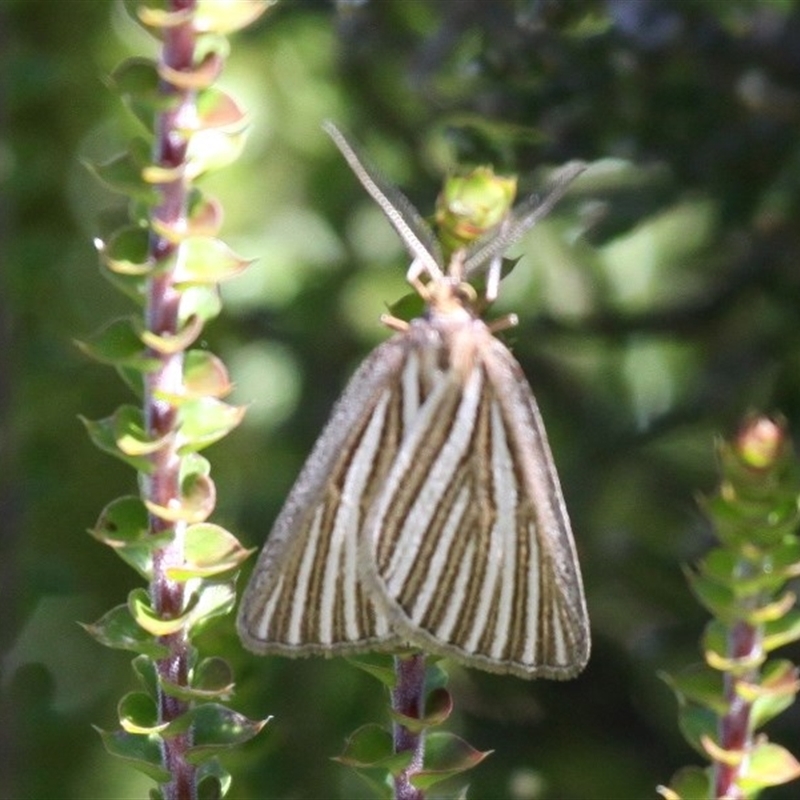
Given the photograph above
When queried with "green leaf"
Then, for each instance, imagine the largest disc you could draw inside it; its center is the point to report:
(371, 747)
(123, 435)
(141, 751)
(205, 375)
(205, 420)
(695, 723)
(717, 599)
(145, 670)
(211, 680)
(775, 693)
(171, 343)
(208, 550)
(446, 755)
(213, 780)
(217, 109)
(228, 17)
(379, 665)
(146, 616)
(127, 252)
(699, 684)
(118, 344)
(138, 713)
(769, 765)
(201, 301)
(688, 783)
(136, 81)
(782, 631)
(124, 173)
(197, 501)
(214, 598)
(123, 525)
(117, 628)
(207, 260)
(214, 728)
(438, 707)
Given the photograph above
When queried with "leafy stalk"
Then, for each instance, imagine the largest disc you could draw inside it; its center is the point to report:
(171, 263)
(742, 582)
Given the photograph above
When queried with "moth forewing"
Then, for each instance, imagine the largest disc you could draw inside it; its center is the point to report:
(305, 595)
(467, 548)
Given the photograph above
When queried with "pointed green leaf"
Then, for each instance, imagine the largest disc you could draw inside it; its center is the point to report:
(718, 599)
(123, 435)
(123, 525)
(699, 684)
(209, 550)
(769, 765)
(118, 344)
(379, 665)
(205, 420)
(117, 628)
(205, 259)
(124, 173)
(214, 728)
(136, 81)
(446, 755)
(371, 747)
(141, 751)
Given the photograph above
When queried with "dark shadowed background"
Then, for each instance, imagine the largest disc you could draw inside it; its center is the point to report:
(658, 306)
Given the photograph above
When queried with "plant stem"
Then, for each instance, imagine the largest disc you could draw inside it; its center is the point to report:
(162, 486)
(408, 699)
(735, 729)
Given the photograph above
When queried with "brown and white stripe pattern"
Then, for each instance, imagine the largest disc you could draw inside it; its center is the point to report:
(429, 512)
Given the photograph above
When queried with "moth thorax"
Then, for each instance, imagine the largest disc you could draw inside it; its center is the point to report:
(451, 299)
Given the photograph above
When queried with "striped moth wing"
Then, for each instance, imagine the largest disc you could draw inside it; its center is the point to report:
(305, 596)
(467, 548)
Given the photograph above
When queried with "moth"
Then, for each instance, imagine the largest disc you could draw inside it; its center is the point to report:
(429, 514)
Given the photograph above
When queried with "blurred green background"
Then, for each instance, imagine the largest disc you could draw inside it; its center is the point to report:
(658, 306)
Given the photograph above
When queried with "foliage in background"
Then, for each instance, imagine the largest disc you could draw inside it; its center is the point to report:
(670, 318)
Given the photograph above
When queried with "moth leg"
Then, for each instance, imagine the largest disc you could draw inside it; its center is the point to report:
(395, 323)
(504, 323)
(493, 274)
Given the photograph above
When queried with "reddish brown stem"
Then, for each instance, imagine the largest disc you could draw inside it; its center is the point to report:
(162, 317)
(408, 699)
(735, 729)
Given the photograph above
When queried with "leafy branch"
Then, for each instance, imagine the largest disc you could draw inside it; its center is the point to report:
(742, 582)
(170, 261)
